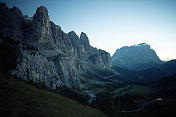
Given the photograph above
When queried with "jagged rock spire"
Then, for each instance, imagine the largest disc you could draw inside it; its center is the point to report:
(84, 38)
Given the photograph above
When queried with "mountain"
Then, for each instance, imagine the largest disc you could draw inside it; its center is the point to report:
(141, 77)
(137, 57)
(19, 99)
(149, 75)
(37, 50)
(169, 67)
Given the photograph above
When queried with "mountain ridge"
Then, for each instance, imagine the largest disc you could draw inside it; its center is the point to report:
(137, 57)
(44, 53)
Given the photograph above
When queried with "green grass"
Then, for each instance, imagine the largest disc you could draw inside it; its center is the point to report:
(19, 99)
(145, 90)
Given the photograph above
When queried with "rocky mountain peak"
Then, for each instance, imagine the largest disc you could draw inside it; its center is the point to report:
(73, 35)
(42, 10)
(3, 6)
(41, 14)
(41, 25)
(136, 57)
(17, 11)
(84, 38)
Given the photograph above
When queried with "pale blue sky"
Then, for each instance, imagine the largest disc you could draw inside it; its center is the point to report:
(111, 24)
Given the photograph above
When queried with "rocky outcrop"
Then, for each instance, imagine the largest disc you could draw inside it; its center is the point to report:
(84, 51)
(101, 59)
(137, 57)
(44, 52)
(41, 26)
(37, 68)
(11, 22)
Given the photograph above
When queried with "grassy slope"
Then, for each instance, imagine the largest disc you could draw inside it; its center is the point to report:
(21, 99)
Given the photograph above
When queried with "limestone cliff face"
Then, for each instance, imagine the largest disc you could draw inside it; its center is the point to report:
(44, 52)
(84, 51)
(137, 57)
(41, 25)
(34, 67)
(43, 34)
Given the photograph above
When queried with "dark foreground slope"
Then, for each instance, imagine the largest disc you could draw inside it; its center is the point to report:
(19, 99)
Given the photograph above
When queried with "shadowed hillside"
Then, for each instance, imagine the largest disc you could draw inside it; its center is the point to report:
(19, 99)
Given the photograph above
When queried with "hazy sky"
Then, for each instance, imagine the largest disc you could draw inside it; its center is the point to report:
(111, 24)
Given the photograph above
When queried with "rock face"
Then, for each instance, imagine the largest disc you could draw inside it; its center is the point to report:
(85, 52)
(44, 53)
(137, 57)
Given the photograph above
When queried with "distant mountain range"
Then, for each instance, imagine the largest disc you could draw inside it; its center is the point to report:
(148, 75)
(137, 57)
(140, 63)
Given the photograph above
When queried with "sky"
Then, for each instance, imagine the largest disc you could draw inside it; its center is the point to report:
(112, 24)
